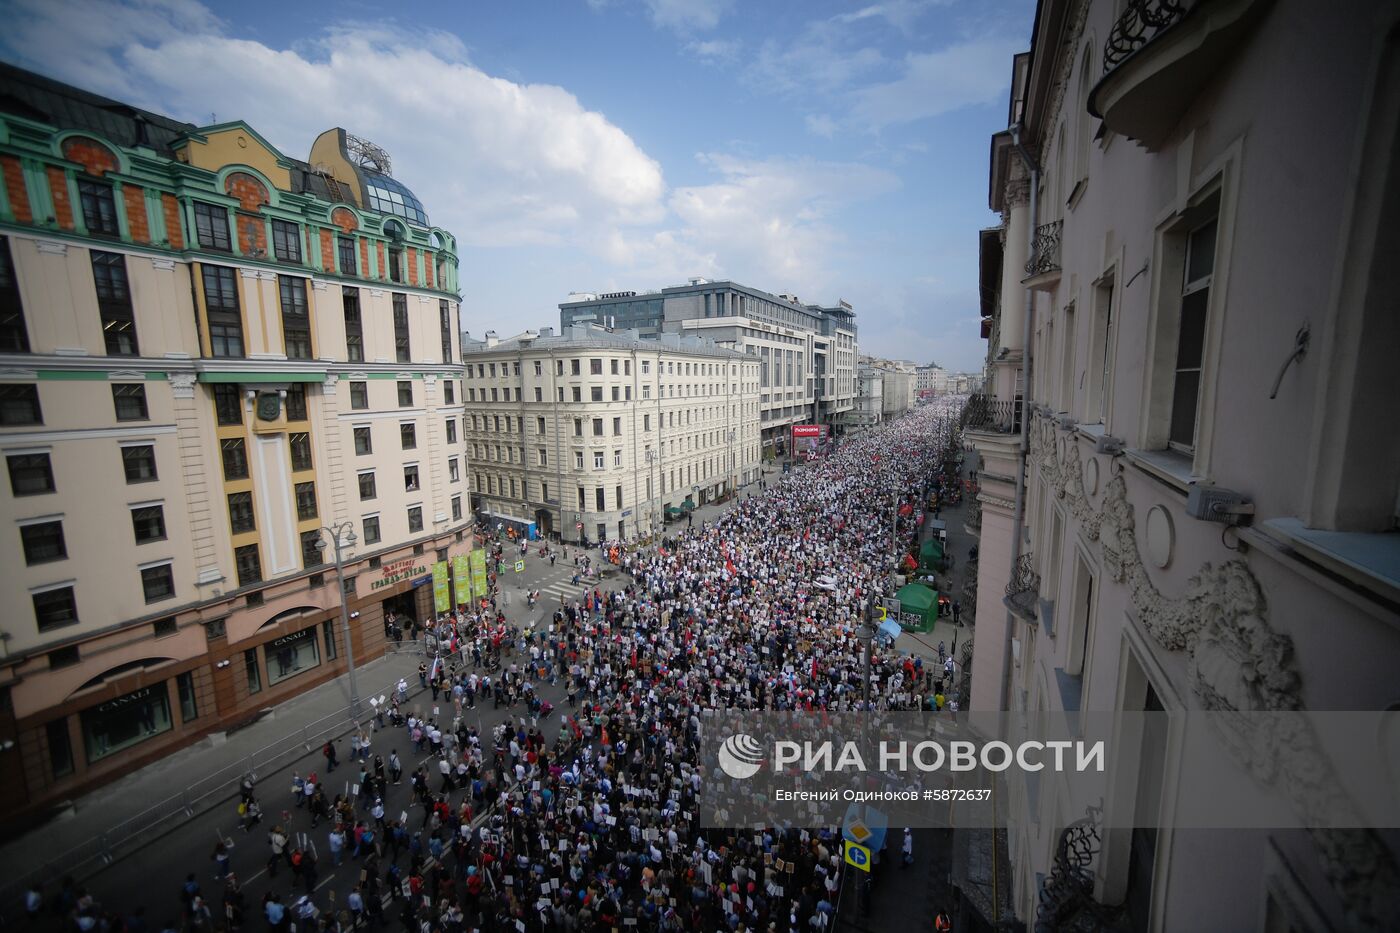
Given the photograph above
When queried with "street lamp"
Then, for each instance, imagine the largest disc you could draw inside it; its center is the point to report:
(729, 435)
(652, 500)
(343, 535)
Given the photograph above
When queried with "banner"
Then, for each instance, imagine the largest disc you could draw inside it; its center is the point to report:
(461, 579)
(478, 565)
(441, 601)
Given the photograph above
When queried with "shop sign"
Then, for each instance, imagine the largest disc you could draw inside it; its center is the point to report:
(134, 696)
(397, 572)
(294, 637)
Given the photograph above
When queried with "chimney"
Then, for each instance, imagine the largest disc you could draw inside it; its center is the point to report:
(491, 339)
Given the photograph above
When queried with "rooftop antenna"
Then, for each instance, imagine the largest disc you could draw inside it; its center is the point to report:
(368, 155)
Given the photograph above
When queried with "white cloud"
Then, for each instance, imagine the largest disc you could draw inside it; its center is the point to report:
(684, 15)
(821, 125)
(495, 161)
(715, 50)
(898, 13)
(772, 219)
(972, 72)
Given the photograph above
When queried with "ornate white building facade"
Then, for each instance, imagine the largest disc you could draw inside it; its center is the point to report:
(1188, 475)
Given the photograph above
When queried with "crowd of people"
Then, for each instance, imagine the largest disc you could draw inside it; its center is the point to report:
(589, 820)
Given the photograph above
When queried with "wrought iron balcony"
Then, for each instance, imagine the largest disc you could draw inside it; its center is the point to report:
(1023, 592)
(1140, 23)
(972, 524)
(1159, 55)
(1066, 899)
(984, 413)
(1045, 251)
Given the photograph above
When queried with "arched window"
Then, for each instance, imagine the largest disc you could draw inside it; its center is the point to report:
(1085, 130)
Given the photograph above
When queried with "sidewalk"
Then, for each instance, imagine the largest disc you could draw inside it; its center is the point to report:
(118, 818)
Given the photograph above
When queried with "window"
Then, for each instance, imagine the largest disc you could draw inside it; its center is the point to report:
(595, 394)
(456, 508)
(228, 406)
(597, 459)
(99, 207)
(367, 490)
(235, 458)
(30, 474)
(613, 366)
(55, 608)
(405, 393)
(13, 337)
(595, 367)
(415, 518)
(129, 399)
(249, 565)
(539, 394)
(578, 427)
(646, 422)
(401, 347)
(19, 404)
(296, 402)
(311, 547)
(543, 456)
(1101, 354)
(354, 327)
(451, 425)
(211, 226)
(449, 391)
(363, 444)
(158, 582)
(395, 264)
(296, 322)
(646, 391)
(646, 367)
(578, 393)
(582, 499)
(114, 303)
(286, 241)
(617, 427)
(240, 512)
(408, 435)
(600, 499)
(306, 501)
(300, 444)
(148, 523)
(345, 249)
(43, 542)
(615, 393)
(359, 396)
(578, 460)
(445, 325)
(574, 367)
(1190, 336)
(619, 497)
(597, 427)
(184, 685)
(617, 458)
(370, 524)
(250, 667)
(539, 424)
(453, 471)
(410, 477)
(139, 462)
(225, 320)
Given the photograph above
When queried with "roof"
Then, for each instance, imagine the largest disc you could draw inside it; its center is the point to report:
(35, 97)
(596, 339)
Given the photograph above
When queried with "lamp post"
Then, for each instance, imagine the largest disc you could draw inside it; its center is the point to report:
(729, 435)
(344, 534)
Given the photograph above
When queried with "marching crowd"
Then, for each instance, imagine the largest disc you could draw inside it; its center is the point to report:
(589, 822)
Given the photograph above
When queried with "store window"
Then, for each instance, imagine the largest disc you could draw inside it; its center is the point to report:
(250, 666)
(291, 654)
(60, 748)
(189, 709)
(126, 721)
(328, 633)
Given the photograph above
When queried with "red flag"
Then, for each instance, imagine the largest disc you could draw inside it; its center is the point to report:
(814, 668)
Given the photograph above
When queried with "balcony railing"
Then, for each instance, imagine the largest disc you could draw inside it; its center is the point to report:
(1066, 900)
(1140, 23)
(1023, 592)
(984, 413)
(1045, 251)
(972, 523)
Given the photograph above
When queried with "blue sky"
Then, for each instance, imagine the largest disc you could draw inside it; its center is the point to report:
(828, 150)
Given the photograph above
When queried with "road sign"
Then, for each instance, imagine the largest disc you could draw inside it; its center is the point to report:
(520, 566)
(883, 612)
(857, 855)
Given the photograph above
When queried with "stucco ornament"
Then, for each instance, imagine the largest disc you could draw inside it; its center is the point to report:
(1236, 662)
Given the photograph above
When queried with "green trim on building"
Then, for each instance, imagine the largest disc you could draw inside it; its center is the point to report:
(72, 375)
(157, 377)
(263, 377)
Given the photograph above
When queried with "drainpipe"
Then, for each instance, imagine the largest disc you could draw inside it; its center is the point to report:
(1018, 520)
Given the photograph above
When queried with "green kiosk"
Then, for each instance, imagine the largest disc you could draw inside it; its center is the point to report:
(918, 607)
